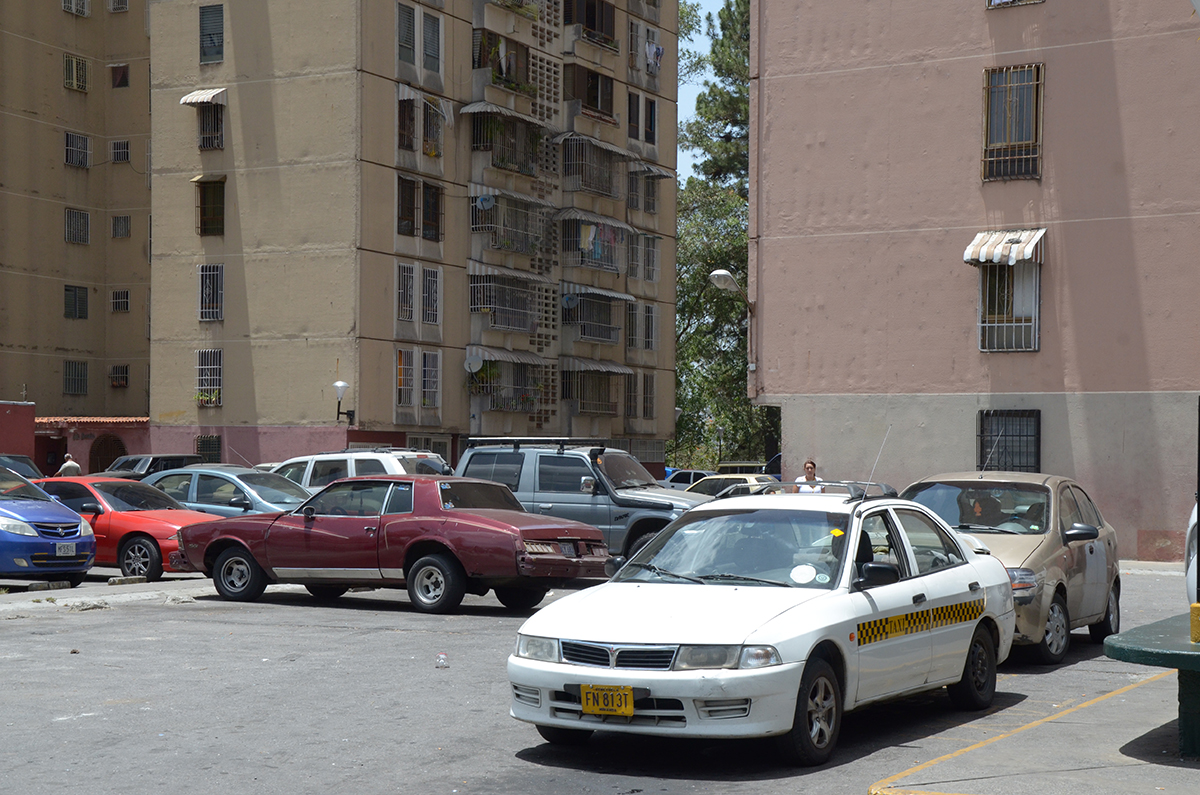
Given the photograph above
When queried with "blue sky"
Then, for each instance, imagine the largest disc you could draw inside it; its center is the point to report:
(689, 91)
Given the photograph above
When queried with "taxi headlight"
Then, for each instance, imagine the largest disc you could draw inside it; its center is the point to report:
(532, 647)
(690, 658)
(17, 527)
(758, 657)
(85, 529)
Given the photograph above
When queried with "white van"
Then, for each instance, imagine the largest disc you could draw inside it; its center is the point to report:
(315, 472)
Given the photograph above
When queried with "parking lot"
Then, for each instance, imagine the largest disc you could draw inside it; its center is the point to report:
(148, 688)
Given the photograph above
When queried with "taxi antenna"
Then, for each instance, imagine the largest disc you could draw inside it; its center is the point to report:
(988, 460)
(877, 457)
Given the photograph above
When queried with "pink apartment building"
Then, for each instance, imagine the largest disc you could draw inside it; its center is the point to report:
(974, 230)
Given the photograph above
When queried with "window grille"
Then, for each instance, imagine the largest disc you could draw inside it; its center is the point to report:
(210, 208)
(212, 34)
(508, 303)
(508, 386)
(431, 42)
(209, 376)
(631, 395)
(599, 246)
(1009, 301)
(122, 225)
(651, 120)
(118, 151)
(75, 72)
(633, 332)
(1012, 101)
(75, 302)
(404, 377)
(594, 317)
(430, 294)
(648, 396)
(75, 378)
(512, 142)
(650, 249)
(1009, 440)
(431, 379)
(431, 212)
(405, 291)
(511, 225)
(120, 300)
(407, 33)
(632, 195)
(119, 74)
(406, 207)
(118, 5)
(78, 225)
(651, 202)
(431, 141)
(118, 376)
(593, 391)
(79, 150)
(80, 8)
(212, 291)
(209, 448)
(650, 327)
(634, 267)
(635, 47)
(590, 168)
(406, 138)
(212, 128)
(1001, 3)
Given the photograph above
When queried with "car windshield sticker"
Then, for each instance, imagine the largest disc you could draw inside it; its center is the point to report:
(447, 506)
(836, 532)
(918, 621)
(444, 484)
(803, 574)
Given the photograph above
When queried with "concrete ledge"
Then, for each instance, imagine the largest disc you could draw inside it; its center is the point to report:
(126, 580)
(54, 585)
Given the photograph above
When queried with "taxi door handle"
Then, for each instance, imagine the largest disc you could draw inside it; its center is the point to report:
(918, 599)
(974, 586)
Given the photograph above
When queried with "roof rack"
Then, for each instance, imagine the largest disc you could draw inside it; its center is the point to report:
(856, 490)
(536, 441)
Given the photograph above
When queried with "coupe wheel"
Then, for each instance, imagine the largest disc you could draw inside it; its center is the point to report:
(1057, 639)
(141, 557)
(326, 593)
(977, 687)
(520, 598)
(1111, 623)
(238, 577)
(557, 736)
(818, 718)
(436, 584)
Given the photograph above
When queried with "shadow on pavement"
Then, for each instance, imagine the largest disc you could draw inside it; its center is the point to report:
(1159, 747)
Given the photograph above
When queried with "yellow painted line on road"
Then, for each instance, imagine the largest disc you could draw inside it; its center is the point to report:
(884, 787)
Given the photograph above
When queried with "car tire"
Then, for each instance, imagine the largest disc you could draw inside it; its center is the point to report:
(237, 575)
(818, 717)
(326, 593)
(641, 541)
(1056, 640)
(1111, 623)
(557, 736)
(977, 687)
(76, 579)
(520, 598)
(141, 557)
(436, 584)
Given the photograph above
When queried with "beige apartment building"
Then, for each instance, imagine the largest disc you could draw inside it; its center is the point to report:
(464, 211)
(973, 231)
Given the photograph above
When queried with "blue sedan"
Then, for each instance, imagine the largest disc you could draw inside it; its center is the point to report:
(40, 539)
(229, 490)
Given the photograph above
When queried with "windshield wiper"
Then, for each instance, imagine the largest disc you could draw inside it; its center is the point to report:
(650, 567)
(743, 577)
(987, 527)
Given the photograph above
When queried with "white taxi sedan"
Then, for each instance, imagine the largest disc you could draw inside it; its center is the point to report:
(769, 616)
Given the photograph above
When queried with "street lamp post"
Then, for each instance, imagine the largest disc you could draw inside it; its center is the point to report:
(724, 280)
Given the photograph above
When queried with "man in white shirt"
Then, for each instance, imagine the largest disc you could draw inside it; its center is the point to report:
(69, 468)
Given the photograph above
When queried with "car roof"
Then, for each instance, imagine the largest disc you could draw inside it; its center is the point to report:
(222, 469)
(88, 479)
(998, 476)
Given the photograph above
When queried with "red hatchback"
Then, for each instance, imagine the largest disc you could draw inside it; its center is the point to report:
(135, 524)
(439, 537)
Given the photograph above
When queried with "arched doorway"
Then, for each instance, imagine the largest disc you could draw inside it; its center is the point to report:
(106, 449)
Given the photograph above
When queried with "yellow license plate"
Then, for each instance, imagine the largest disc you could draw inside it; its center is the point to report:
(607, 700)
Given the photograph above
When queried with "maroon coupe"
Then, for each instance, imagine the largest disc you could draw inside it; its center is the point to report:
(441, 537)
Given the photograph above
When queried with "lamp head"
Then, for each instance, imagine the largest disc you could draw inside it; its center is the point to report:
(341, 387)
(723, 280)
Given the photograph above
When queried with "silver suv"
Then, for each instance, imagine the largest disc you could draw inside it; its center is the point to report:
(315, 472)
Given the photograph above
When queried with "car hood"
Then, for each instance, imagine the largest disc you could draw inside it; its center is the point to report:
(1011, 550)
(661, 498)
(530, 525)
(648, 612)
(37, 511)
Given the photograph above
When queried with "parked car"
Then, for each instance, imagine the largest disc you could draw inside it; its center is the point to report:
(1061, 555)
(137, 467)
(21, 464)
(715, 484)
(1190, 560)
(135, 524)
(683, 478)
(314, 472)
(599, 486)
(768, 616)
(229, 489)
(41, 539)
(741, 467)
(439, 537)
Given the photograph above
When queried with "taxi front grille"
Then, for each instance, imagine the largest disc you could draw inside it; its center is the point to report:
(642, 658)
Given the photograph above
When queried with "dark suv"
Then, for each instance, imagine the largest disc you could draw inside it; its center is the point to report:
(136, 467)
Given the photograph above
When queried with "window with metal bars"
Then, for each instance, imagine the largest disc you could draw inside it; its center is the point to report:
(75, 302)
(633, 326)
(512, 142)
(209, 372)
(406, 136)
(431, 212)
(431, 42)
(431, 295)
(75, 378)
(651, 202)
(120, 301)
(509, 304)
(631, 395)
(594, 317)
(510, 224)
(431, 379)
(208, 447)
(1012, 103)
(648, 396)
(508, 386)
(650, 258)
(1001, 3)
(211, 119)
(116, 6)
(406, 291)
(212, 291)
(406, 207)
(596, 18)
(633, 267)
(650, 327)
(210, 207)
(598, 246)
(593, 89)
(78, 226)
(122, 225)
(120, 75)
(633, 194)
(407, 33)
(591, 168)
(431, 139)
(80, 8)
(1009, 303)
(405, 375)
(118, 376)
(212, 34)
(118, 151)
(79, 150)
(75, 72)
(593, 391)
(1009, 440)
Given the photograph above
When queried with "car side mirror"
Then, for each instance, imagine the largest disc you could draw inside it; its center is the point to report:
(309, 512)
(1081, 532)
(587, 484)
(614, 564)
(874, 574)
(92, 508)
(240, 502)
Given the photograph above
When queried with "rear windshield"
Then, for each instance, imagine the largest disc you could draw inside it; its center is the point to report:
(466, 496)
(275, 489)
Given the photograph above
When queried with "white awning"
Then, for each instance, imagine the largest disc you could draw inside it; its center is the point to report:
(475, 189)
(595, 142)
(205, 96)
(570, 288)
(500, 110)
(209, 178)
(574, 214)
(503, 355)
(1008, 247)
(405, 91)
(477, 268)
(571, 364)
(637, 166)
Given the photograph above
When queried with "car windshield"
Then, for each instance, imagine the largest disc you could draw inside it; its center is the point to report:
(275, 489)
(15, 487)
(469, 495)
(765, 547)
(135, 496)
(624, 471)
(986, 507)
(124, 464)
(20, 464)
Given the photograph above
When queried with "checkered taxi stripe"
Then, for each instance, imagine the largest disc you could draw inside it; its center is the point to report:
(918, 621)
